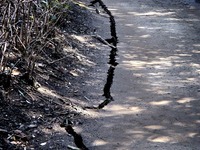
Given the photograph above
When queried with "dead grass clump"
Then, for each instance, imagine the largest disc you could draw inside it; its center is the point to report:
(27, 27)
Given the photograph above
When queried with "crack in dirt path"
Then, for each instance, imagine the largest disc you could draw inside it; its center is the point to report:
(112, 43)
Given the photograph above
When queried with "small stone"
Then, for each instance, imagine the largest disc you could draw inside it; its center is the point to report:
(44, 143)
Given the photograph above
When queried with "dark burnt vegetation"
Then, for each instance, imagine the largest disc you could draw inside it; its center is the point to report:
(38, 66)
(27, 29)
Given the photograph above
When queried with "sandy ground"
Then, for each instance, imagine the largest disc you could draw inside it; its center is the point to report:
(156, 85)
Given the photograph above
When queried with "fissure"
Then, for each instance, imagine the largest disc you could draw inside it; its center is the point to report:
(113, 53)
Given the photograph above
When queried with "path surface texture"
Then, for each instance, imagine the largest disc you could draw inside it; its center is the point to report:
(157, 82)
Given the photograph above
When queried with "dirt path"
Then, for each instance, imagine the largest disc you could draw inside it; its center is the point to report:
(156, 85)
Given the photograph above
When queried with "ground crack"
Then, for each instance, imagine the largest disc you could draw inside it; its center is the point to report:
(112, 43)
(78, 140)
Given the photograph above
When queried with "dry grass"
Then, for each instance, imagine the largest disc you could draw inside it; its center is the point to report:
(27, 27)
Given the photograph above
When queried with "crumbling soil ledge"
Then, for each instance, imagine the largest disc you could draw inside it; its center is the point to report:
(31, 115)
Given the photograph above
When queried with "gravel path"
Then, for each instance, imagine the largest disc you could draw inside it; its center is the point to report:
(156, 85)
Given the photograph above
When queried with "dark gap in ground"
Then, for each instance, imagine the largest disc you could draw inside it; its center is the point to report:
(112, 43)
